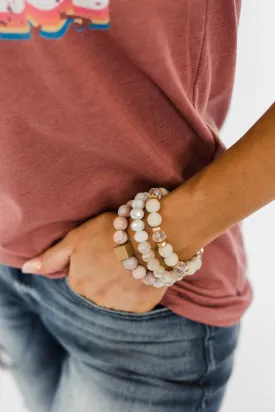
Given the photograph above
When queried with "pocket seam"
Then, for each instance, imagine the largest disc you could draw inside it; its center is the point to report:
(119, 314)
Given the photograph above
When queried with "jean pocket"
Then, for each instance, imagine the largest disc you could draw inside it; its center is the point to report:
(158, 311)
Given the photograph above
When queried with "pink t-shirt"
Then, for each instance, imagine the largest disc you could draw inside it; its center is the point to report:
(92, 113)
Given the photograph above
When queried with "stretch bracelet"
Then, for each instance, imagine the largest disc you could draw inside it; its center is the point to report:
(165, 249)
(155, 274)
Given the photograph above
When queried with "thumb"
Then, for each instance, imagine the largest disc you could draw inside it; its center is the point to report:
(52, 260)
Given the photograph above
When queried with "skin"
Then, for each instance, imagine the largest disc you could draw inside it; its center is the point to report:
(239, 182)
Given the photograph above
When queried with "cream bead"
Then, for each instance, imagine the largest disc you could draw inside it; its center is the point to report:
(164, 191)
(137, 213)
(149, 279)
(174, 277)
(172, 260)
(130, 263)
(144, 247)
(138, 203)
(153, 264)
(139, 272)
(158, 284)
(193, 265)
(154, 219)
(152, 205)
(166, 250)
(146, 257)
(140, 196)
(141, 236)
(120, 223)
(137, 225)
(159, 271)
(120, 237)
(166, 277)
(198, 261)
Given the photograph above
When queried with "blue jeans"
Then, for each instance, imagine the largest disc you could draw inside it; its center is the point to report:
(69, 355)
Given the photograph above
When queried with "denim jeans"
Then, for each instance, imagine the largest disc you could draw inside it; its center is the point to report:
(69, 355)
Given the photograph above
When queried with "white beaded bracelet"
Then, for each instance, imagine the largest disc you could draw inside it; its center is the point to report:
(156, 274)
(171, 259)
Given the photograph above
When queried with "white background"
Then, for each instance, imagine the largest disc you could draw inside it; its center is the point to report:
(252, 385)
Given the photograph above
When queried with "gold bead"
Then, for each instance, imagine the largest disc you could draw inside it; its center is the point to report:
(124, 252)
(162, 244)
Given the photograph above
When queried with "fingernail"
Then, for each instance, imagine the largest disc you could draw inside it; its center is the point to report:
(31, 267)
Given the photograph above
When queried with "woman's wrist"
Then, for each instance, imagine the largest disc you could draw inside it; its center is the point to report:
(189, 220)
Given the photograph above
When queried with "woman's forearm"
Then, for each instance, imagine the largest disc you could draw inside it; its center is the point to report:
(239, 182)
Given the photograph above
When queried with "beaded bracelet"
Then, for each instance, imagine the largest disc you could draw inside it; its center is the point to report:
(156, 274)
(125, 252)
(165, 249)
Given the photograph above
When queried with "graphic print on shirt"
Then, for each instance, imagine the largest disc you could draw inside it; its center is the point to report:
(51, 18)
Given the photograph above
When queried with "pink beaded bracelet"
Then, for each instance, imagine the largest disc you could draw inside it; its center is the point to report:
(133, 208)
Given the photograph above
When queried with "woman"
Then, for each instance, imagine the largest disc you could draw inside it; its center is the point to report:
(88, 120)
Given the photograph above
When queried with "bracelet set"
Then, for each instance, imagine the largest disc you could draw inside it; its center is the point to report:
(153, 271)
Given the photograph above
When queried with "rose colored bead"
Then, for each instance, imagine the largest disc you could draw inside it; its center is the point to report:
(149, 279)
(156, 192)
(139, 272)
(131, 263)
(120, 223)
(120, 237)
(159, 236)
(124, 211)
(180, 268)
(130, 203)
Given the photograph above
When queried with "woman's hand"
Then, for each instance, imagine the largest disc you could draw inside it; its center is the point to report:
(94, 271)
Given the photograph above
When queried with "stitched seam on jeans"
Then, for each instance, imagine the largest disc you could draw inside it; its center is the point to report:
(210, 365)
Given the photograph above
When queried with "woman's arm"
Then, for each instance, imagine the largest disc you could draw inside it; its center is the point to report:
(239, 182)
